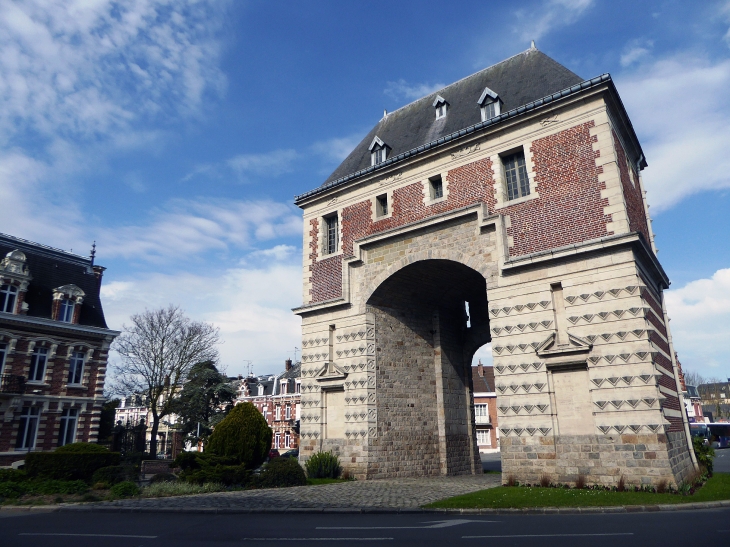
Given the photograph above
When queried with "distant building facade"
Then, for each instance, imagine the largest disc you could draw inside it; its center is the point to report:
(278, 398)
(485, 408)
(54, 344)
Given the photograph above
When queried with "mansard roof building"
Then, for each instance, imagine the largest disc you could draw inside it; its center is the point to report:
(507, 207)
(54, 344)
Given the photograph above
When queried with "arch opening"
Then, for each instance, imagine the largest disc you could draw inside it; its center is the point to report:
(430, 318)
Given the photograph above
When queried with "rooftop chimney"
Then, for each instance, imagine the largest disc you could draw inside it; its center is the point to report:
(480, 368)
(287, 364)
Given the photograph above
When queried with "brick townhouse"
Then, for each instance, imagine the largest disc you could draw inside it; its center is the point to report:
(54, 344)
(485, 408)
(278, 398)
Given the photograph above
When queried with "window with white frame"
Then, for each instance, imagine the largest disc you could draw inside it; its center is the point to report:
(481, 413)
(490, 104)
(332, 233)
(278, 412)
(378, 156)
(287, 414)
(8, 297)
(283, 385)
(261, 390)
(265, 412)
(287, 440)
(381, 206)
(483, 437)
(76, 367)
(515, 172)
(436, 187)
(277, 440)
(299, 387)
(66, 310)
(28, 427)
(3, 353)
(38, 360)
(441, 107)
(490, 110)
(69, 421)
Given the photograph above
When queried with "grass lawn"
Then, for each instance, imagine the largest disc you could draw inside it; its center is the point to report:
(502, 497)
(325, 481)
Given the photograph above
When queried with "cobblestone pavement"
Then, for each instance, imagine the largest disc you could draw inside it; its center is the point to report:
(387, 493)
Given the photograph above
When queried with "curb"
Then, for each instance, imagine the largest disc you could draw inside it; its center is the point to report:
(369, 510)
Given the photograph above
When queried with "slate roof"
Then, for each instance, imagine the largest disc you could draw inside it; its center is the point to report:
(52, 268)
(526, 77)
(483, 383)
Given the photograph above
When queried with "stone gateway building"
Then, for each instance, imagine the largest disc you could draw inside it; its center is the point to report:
(506, 208)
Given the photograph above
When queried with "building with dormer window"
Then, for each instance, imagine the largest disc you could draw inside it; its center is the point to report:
(54, 344)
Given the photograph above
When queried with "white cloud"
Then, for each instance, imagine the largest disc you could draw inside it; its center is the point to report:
(402, 89)
(483, 355)
(90, 69)
(553, 15)
(700, 323)
(269, 164)
(278, 253)
(680, 110)
(186, 229)
(337, 149)
(636, 51)
(256, 322)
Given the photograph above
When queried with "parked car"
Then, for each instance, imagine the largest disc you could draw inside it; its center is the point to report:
(273, 453)
(291, 453)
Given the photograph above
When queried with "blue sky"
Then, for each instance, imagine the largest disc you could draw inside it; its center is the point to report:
(176, 133)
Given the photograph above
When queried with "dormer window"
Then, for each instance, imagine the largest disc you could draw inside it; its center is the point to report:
(66, 311)
(261, 390)
(8, 297)
(441, 107)
(65, 300)
(490, 103)
(378, 151)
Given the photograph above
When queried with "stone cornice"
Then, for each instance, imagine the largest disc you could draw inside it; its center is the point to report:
(9, 319)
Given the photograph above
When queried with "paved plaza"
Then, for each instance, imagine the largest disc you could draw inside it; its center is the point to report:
(386, 493)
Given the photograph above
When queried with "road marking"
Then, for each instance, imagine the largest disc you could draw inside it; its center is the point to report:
(86, 535)
(438, 524)
(549, 535)
(315, 539)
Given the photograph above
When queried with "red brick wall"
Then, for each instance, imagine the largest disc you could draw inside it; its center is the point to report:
(326, 277)
(632, 193)
(570, 208)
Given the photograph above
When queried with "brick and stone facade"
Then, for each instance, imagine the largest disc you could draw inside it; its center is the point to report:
(53, 370)
(485, 408)
(563, 280)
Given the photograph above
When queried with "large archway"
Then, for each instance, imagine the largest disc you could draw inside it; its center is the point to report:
(429, 317)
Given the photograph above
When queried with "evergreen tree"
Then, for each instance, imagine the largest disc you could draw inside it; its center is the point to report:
(205, 399)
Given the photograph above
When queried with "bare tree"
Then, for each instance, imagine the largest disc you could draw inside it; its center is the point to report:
(158, 350)
(694, 378)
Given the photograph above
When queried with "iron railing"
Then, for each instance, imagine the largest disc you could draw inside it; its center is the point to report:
(12, 383)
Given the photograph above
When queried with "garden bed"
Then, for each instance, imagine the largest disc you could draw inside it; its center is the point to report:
(716, 488)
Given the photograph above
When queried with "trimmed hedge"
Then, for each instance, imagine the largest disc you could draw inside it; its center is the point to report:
(282, 472)
(81, 448)
(243, 434)
(201, 468)
(112, 475)
(68, 465)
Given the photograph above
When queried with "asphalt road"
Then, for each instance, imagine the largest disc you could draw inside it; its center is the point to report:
(191, 530)
(492, 462)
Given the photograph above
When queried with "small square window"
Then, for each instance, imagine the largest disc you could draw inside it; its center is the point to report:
(381, 205)
(490, 110)
(515, 172)
(331, 234)
(436, 187)
(441, 111)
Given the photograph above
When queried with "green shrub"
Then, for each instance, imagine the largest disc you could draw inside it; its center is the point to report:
(68, 465)
(180, 488)
(134, 459)
(12, 490)
(204, 467)
(163, 477)
(12, 475)
(81, 448)
(48, 487)
(281, 472)
(112, 475)
(243, 434)
(126, 489)
(323, 465)
(705, 454)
